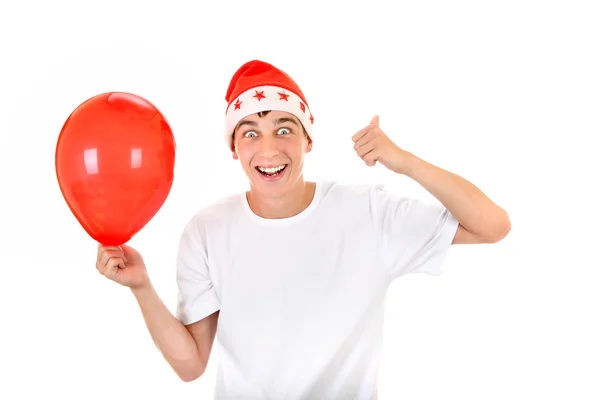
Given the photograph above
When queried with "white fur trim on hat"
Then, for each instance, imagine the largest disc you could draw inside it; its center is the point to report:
(266, 98)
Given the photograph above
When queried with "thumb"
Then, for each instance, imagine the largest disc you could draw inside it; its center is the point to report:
(129, 252)
(375, 120)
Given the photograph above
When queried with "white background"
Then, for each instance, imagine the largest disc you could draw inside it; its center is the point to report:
(505, 94)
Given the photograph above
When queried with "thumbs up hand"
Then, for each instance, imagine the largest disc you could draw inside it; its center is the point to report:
(373, 145)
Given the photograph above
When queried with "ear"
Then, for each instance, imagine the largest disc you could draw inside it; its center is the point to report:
(234, 154)
(309, 144)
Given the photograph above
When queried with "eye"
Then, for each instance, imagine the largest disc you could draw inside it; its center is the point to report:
(250, 134)
(284, 131)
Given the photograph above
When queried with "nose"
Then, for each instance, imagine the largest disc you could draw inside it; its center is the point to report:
(268, 147)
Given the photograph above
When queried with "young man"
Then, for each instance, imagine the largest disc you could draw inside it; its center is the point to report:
(292, 275)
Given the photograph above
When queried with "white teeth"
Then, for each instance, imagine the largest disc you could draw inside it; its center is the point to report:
(271, 170)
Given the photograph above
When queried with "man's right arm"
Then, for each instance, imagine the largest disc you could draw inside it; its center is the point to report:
(186, 348)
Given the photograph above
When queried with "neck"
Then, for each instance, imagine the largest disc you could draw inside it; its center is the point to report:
(291, 203)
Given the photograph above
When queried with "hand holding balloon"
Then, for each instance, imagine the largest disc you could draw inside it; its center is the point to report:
(122, 264)
(115, 161)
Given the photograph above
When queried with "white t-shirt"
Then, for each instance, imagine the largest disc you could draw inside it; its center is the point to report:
(301, 299)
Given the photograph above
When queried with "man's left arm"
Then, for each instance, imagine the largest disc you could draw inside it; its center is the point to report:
(480, 219)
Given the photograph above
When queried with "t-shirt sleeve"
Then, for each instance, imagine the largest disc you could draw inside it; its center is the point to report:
(415, 234)
(197, 297)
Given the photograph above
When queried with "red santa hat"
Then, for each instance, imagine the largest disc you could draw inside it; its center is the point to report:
(259, 86)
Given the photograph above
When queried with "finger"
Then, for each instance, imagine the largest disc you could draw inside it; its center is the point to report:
(112, 267)
(127, 250)
(368, 137)
(375, 120)
(358, 135)
(366, 148)
(110, 259)
(108, 254)
(103, 249)
(370, 158)
(99, 252)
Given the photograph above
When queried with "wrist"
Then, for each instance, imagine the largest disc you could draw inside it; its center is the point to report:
(410, 164)
(142, 290)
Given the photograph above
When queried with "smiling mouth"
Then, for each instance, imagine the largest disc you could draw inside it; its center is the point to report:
(271, 172)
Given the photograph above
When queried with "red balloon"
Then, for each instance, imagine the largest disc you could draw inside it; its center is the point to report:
(115, 160)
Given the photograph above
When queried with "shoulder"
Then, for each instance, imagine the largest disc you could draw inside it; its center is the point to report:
(352, 193)
(355, 201)
(376, 200)
(357, 190)
(214, 214)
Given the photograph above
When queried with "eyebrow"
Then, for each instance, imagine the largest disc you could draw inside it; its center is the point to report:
(283, 120)
(249, 123)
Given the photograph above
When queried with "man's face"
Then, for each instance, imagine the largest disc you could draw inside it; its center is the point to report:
(271, 150)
